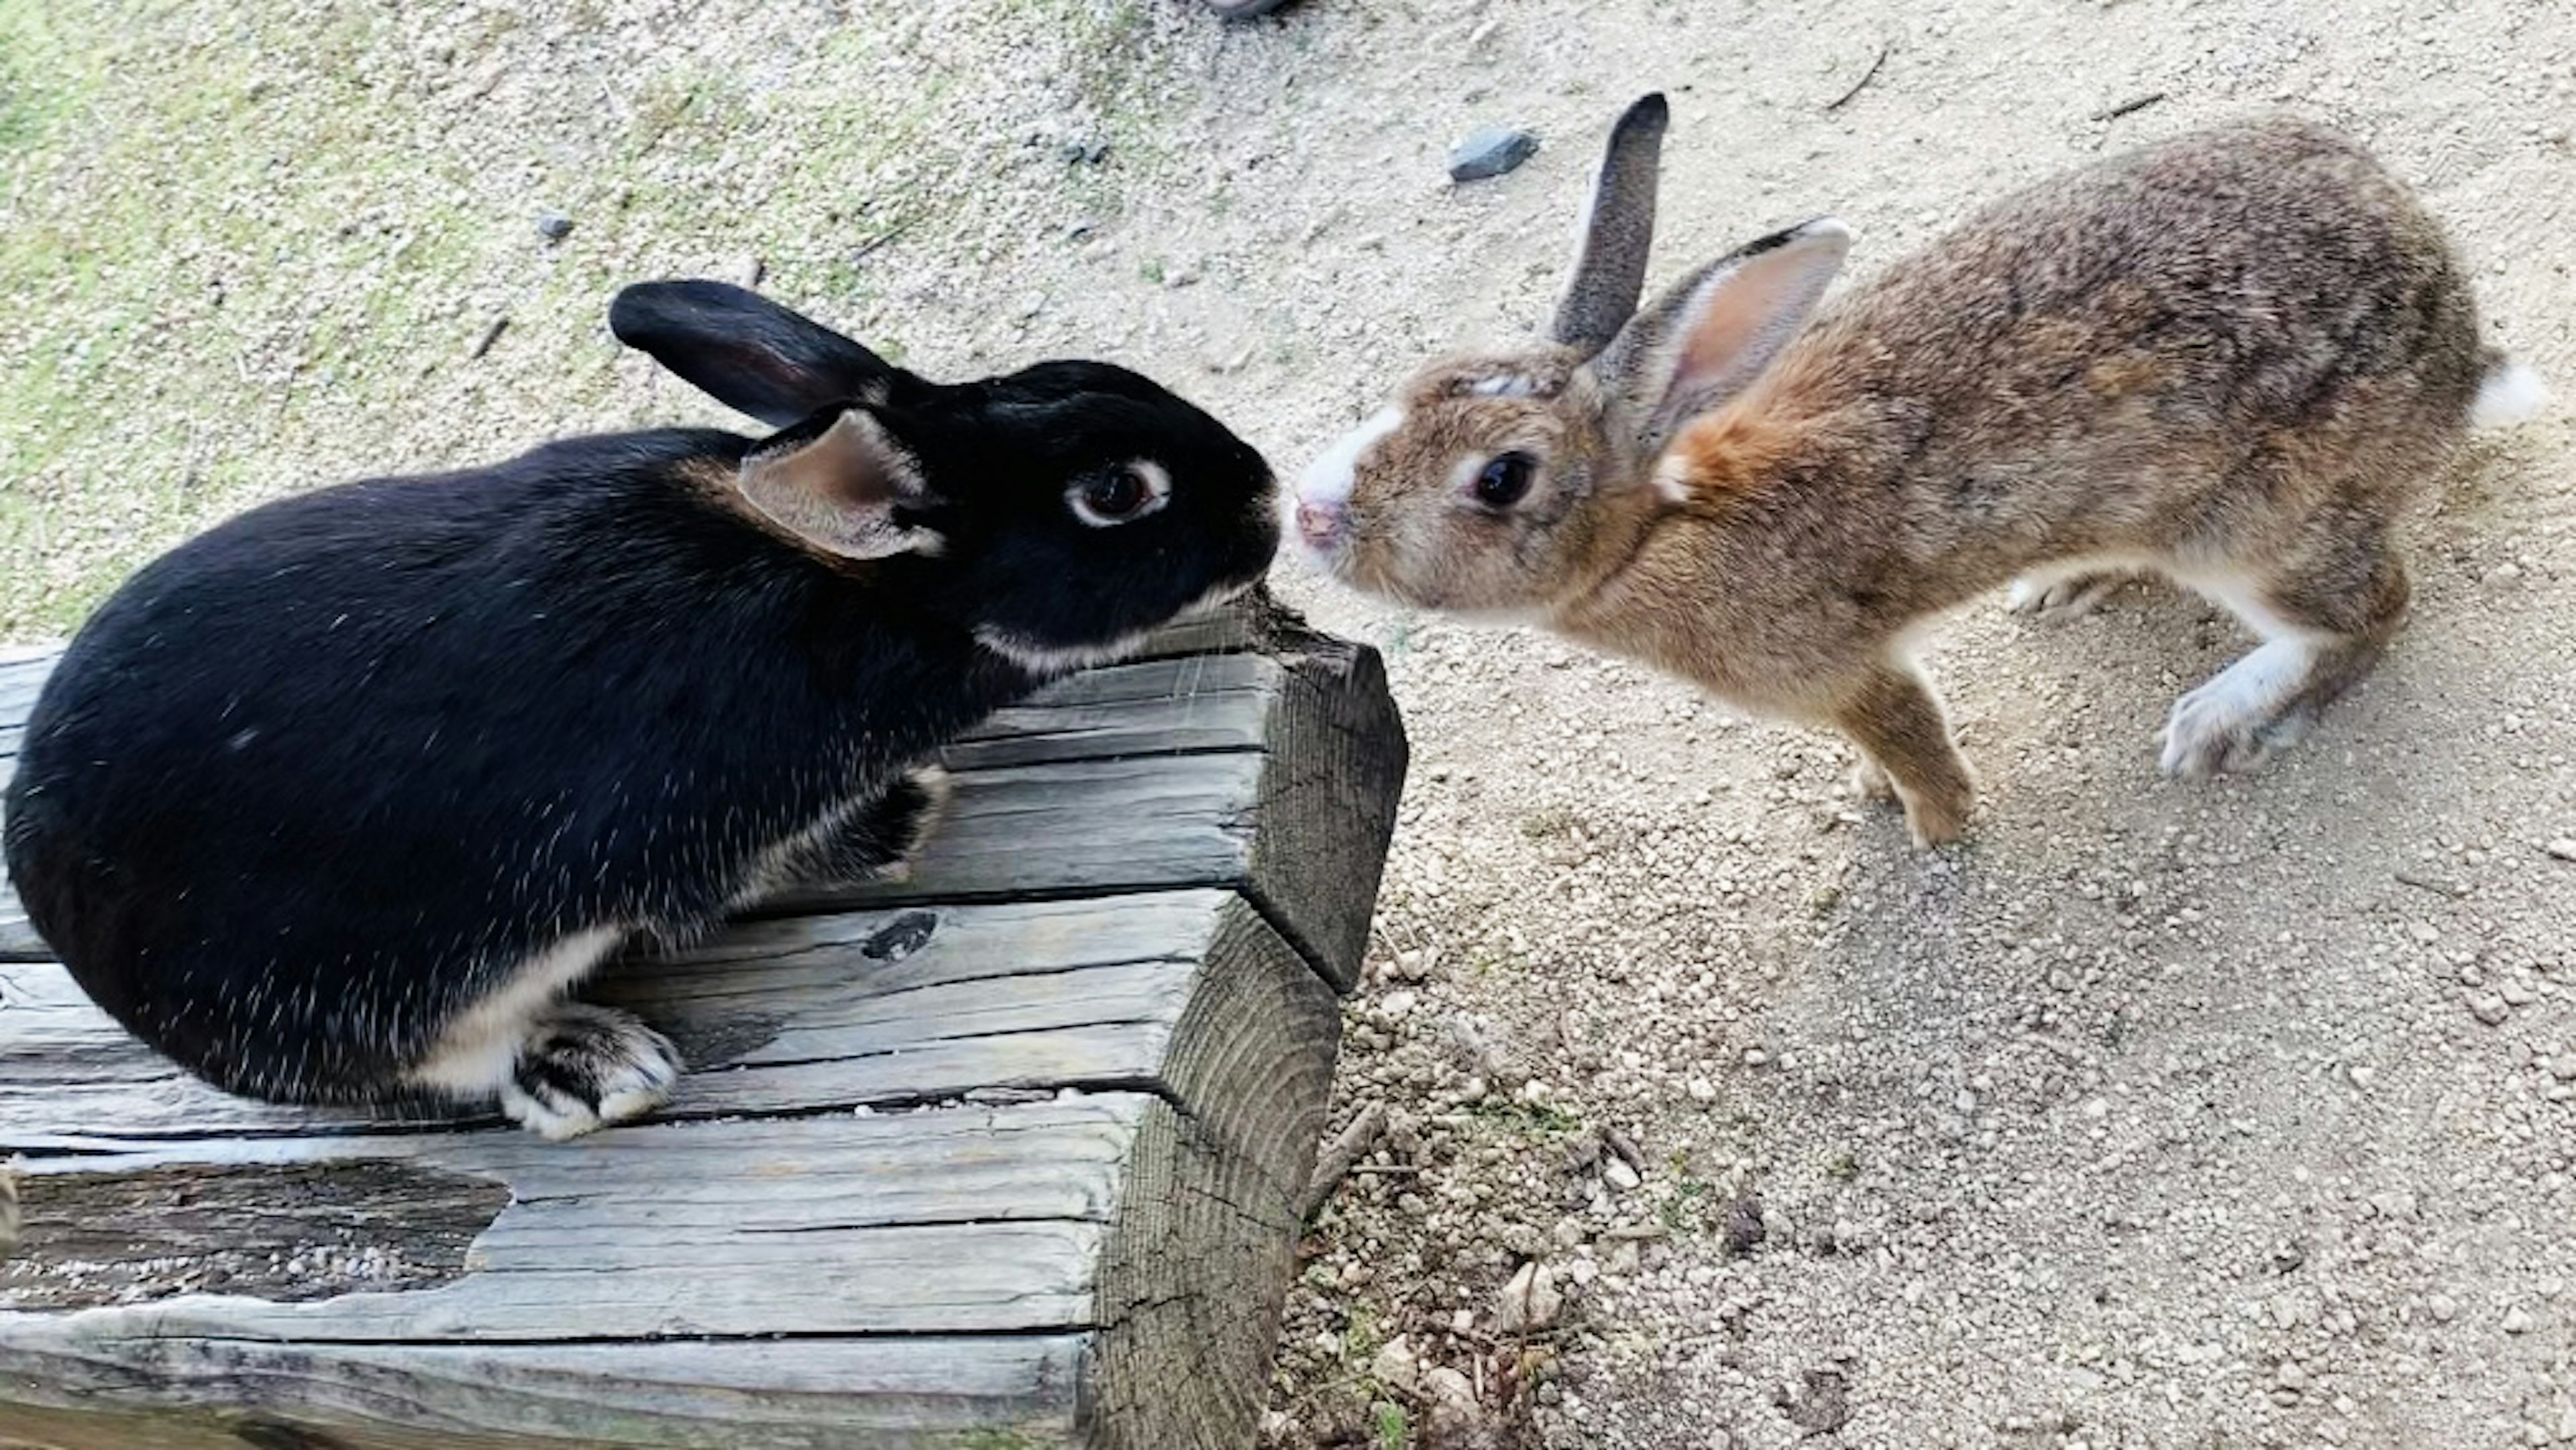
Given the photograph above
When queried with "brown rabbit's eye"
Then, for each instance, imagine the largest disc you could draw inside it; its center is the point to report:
(1506, 480)
(1128, 492)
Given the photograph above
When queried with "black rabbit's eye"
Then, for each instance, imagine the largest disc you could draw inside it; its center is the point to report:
(1127, 492)
(1115, 497)
(1506, 480)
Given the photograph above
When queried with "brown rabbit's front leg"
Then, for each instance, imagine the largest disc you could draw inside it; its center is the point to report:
(1898, 723)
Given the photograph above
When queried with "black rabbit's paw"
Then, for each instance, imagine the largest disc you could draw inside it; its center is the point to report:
(583, 1067)
(899, 822)
(879, 840)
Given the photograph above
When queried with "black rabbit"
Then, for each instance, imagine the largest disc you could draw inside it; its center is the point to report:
(335, 802)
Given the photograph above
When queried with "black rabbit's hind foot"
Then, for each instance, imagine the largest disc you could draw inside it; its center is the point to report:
(582, 1068)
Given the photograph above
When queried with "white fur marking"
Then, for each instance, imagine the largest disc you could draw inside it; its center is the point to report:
(2511, 394)
(1507, 385)
(1328, 480)
(475, 1056)
(1672, 478)
(1045, 659)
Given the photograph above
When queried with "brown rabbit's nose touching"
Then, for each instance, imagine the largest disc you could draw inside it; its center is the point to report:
(1319, 525)
(1322, 513)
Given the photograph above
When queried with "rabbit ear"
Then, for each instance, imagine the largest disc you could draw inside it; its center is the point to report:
(744, 350)
(1617, 231)
(1714, 331)
(843, 490)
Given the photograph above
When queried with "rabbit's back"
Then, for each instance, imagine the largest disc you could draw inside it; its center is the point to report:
(2216, 334)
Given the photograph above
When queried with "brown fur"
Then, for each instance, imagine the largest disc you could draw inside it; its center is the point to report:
(2237, 358)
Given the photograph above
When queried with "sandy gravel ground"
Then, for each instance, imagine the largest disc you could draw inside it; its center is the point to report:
(2228, 1116)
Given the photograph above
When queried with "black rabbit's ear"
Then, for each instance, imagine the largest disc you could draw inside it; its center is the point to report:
(844, 490)
(744, 350)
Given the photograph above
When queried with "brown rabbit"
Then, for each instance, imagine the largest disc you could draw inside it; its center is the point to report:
(2234, 358)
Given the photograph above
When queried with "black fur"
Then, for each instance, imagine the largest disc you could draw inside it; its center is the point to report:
(319, 780)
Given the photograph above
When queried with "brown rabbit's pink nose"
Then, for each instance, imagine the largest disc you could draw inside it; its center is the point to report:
(1319, 524)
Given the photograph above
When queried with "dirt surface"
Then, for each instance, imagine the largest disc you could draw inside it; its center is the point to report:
(2153, 1116)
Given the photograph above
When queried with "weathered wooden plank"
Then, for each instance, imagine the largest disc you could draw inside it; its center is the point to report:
(1270, 773)
(788, 1016)
(956, 1393)
(1158, 1223)
(1300, 826)
(987, 1219)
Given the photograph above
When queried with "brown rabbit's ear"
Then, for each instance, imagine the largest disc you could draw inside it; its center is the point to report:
(1617, 232)
(842, 489)
(1714, 331)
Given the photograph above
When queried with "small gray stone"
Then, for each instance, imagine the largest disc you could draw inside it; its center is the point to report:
(2564, 848)
(554, 226)
(2490, 1010)
(1491, 151)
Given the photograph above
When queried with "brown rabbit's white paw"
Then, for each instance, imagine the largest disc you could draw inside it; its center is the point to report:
(2241, 716)
(2064, 598)
(582, 1068)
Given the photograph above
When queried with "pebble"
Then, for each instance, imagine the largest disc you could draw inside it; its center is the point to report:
(1530, 1302)
(1452, 1396)
(2563, 1067)
(1396, 1365)
(2489, 1009)
(2564, 848)
(2517, 1320)
(554, 226)
(1490, 152)
(1702, 1090)
(1620, 1176)
(2444, 1308)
